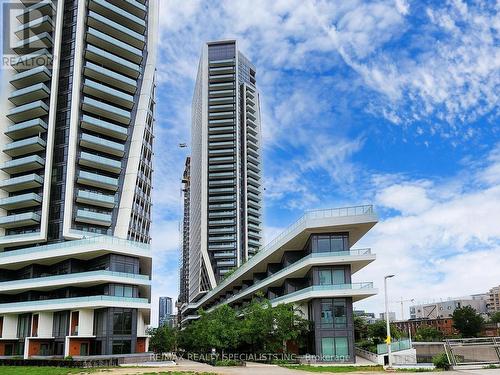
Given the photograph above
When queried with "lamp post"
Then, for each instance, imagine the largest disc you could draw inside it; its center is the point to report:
(388, 340)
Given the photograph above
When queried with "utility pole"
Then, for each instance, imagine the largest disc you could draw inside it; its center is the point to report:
(388, 325)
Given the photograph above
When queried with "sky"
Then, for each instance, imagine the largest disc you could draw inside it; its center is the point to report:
(389, 102)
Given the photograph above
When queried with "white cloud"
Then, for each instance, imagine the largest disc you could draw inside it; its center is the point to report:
(439, 245)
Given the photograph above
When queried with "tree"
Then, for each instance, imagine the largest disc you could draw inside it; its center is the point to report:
(360, 328)
(467, 321)
(428, 333)
(495, 318)
(378, 332)
(162, 339)
(288, 325)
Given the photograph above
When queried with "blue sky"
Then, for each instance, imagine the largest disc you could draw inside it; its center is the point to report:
(390, 102)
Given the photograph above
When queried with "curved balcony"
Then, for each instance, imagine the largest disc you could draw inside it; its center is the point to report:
(19, 220)
(104, 127)
(107, 93)
(32, 76)
(75, 303)
(123, 14)
(29, 181)
(25, 146)
(95, 199)
(108, 59)
(102, 145)
(110, 77)
(26, 129)
(90, 217)
(36, 26)
(99, 162)
(29, 94)
(39, 41)
(43, 8)
(32, 60)
(20, 201)
(114, 29)
(106, 110)
(97, 180)
(28, 111)
(28, 163)
(114, 45)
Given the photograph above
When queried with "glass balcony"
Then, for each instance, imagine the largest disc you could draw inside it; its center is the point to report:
(25, 129)
(119, 14)
(253, 175)
(97, 180)
(28, 111)
(222, 100)
(223, 254)
(20, 201)
(106, 110)
(137, 8)
(221, 206)
(32, 60)
(43, 40)
(29, 94)
(254, 220)
(91, 217)
(221, 167)
(328, 290)
(217, 115)
(222, 263)
(107, 93)
(253, 204)
(221, 85)
(221, 107)
(95, 199)
(114, 29)
(43, 8)
(29, 77)
(220, 93)
(114, 45)
(231, 237)
(253, 168)
(36, 26)
(253, 226)
(110, 77)
(213, 145)
(222, 198)
(221, 222)
(221, 182)
(221, 159)
(102, 145)
(73, 303)
(29, 181)
(227, 246)
(221, 190)
(221, 152)
(220, 63)
(104, 127)
(25, 146)
(100, 56)
(221, 214)
(100, 162)
(222, 70)
(19, 220)
(221, 230)
(28, 163)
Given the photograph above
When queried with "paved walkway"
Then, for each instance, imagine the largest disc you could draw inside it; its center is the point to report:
(260, 369)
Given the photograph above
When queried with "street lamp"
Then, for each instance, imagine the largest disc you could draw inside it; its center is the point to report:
(388, 340)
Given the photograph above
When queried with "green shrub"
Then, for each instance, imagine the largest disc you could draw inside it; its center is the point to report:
(441, 361)
(68, 358)
(228, 362)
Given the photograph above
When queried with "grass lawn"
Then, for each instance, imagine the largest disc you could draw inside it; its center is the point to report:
(44, 370)
(334, 369)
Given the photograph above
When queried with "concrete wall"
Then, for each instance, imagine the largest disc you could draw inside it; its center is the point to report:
(45, 324)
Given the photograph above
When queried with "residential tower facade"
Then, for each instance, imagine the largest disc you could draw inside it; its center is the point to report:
(76, 177)
(225, 172)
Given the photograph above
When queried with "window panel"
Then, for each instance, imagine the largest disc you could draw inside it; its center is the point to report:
(325, 277)
(327, 346)
(326, 314)
(338, 277)
(341, 347)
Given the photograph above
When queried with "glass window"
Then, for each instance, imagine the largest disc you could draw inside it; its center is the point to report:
(121, 346)
(337, 243)
(323, 243)
(338, 277)
(327, 348)
(119, 290)
(127, 291)
(326, 314)
(122, 323)
(341, 347)
(340, 313)
(325, 277)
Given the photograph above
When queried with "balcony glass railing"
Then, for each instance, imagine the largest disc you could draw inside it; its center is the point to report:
(37, 58)
(71, 301)
(26, 218)
(102, 144)
(104, 127)
(317, 288)
(26, 128)
(106, 75)
(123, 49)
(100, 161)
(33, 144)
(105, 8)
(108, 93)
(91, 240)
(23, 164)
(97, 217)
(22, 200)
(120, 64)
(89, 196)
(27, 77)
(21, 182)
(78, 275)
(29, 94)
(106, 110)
(113, 28)
(44, 7)
(98, 180)
(28, 111)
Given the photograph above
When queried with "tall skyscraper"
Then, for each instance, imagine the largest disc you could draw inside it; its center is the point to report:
(225, 180)
(184, 258)
(76, 167)
(165, 315)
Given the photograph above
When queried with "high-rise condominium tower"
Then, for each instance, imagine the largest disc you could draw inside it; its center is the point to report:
(76, 164)
(225, 180)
